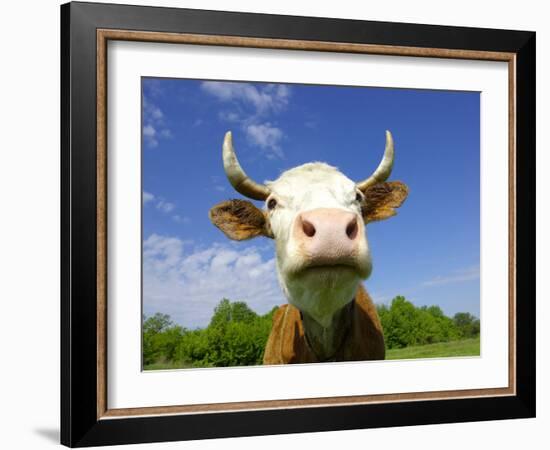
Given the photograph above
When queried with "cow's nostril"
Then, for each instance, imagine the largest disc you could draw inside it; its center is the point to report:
(351, 229)
(309, 229)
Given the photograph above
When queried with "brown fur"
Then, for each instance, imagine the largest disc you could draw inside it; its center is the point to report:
(382, 199)
(287, 343)
(239, 220)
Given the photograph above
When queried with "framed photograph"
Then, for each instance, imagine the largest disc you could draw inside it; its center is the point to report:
(276, 224)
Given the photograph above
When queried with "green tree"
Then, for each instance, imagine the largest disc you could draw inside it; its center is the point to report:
(467, 324)
(404, 324)
(235, 336)
(227, 311)
(157, 323)
(435, 311)
(400, 324)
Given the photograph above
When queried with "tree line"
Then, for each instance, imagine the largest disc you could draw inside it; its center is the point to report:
(236, 335)
(405, 324)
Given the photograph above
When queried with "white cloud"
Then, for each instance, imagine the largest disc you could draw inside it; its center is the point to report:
(267, 137)
(188, 282)
(250, 106)
(147, 197)
(181, 219)
(154, 87)
(380, 298)
(149, 131)
(457, 276)
(229, 116)
(268, 98)
(154, 124)
(161, 253)
(165, 206)
(162, 205)
(149, 134)
(156, 113)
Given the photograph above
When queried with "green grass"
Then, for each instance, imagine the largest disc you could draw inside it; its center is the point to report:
(166, 366)
(465, 347)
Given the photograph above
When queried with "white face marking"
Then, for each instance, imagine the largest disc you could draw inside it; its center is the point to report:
(318, 291)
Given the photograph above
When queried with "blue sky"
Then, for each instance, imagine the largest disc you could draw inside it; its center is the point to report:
(429, 252)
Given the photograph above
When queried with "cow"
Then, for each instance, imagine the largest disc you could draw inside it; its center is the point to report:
(316, 216)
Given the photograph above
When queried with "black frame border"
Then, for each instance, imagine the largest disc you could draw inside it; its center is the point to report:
(79, 424)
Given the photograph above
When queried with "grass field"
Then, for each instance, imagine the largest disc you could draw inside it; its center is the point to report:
(166, 366)
(465, 347)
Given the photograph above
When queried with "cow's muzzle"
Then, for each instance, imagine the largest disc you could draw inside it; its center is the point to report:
(330, 237)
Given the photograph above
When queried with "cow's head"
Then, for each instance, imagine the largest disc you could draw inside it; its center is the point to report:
(317, 217)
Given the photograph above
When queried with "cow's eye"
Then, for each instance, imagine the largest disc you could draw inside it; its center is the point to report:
(271, 203)
(358, 197)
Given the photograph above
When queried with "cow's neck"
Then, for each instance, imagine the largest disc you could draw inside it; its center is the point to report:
(326, 341)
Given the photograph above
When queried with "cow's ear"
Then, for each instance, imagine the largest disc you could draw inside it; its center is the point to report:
(381, 200)
(239, 220)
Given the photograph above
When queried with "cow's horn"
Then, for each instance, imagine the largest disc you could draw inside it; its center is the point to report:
(236, 175)
(383, 170)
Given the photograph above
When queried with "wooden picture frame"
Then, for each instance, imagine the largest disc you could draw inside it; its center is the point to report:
(86, 418)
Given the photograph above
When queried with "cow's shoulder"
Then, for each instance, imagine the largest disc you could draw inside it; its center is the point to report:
(366, 306)
(281, 313)
(366, 339)
(286, 343)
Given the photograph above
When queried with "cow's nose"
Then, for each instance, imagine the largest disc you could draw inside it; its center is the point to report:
(332, 222)
(308, 228)
(351, 228)
(327, 235)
